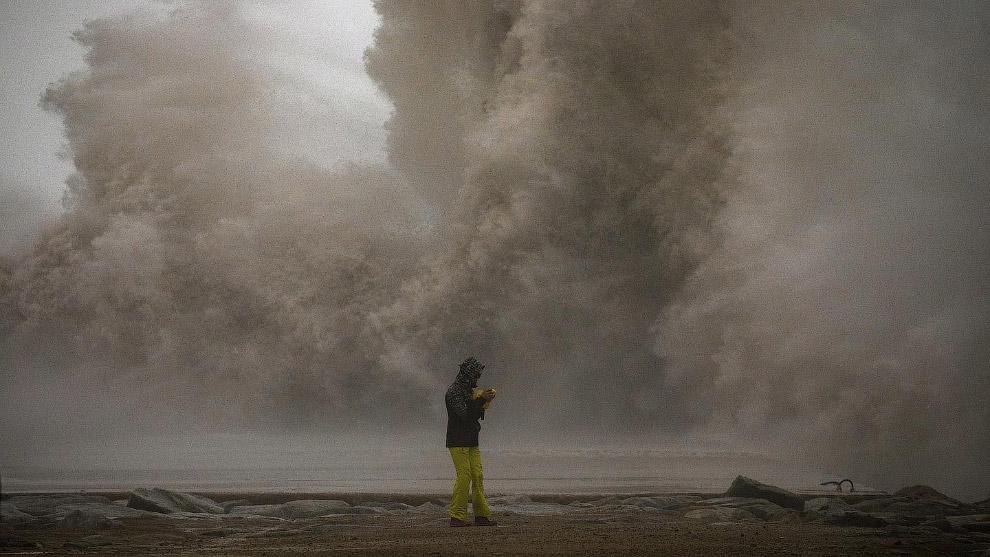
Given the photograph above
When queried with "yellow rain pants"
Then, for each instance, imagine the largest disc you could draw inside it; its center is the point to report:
(467, 462)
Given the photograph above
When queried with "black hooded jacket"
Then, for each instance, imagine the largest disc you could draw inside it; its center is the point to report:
(462, 412)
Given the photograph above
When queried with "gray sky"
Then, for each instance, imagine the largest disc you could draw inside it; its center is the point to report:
(36, 49)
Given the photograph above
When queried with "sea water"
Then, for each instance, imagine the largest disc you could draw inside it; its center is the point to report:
(285, 467)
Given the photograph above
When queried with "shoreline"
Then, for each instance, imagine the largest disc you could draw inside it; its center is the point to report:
(416, 498)
(914, 521)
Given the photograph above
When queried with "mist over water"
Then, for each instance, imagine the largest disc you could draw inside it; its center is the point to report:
(699, 222)
(847, 305)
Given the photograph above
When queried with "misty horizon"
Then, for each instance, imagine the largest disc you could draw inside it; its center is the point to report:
(735, 226)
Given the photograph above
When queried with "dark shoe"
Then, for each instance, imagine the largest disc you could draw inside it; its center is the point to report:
(484, 521)
(458, 523)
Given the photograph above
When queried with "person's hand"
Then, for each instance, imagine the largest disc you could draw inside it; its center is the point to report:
(488, 394)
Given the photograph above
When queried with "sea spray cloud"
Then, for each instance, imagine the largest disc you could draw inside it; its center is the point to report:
(589, 152)
(846, 307)
(737, 221)
(212, 279)
(200, 276)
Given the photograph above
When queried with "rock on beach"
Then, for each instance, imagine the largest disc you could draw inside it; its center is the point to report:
(10, 514)
(302, 508)
(825, 505)
(166, 501)
(85, 519)
(852, 517)
(746, 487)
(760, 508)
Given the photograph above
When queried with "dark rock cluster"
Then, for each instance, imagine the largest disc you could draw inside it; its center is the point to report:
(745, 487)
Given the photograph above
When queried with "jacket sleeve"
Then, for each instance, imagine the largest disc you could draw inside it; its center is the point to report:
(463, 407)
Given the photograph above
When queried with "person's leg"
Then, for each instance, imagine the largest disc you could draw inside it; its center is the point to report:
(462, 485)
(478, 500)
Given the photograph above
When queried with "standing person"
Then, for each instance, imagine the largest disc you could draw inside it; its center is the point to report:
(464, 409)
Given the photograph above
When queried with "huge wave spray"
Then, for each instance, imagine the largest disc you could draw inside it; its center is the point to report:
(666, 221)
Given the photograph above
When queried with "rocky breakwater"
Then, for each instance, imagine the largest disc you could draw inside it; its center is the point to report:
(168, 502)
(915, 506)
(915, 517)
(71, 519)
(64, 511)
(98, 512)
(748, 500)
(909, 512)
(748, 488)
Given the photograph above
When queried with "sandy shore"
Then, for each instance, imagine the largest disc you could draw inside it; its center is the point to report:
(538, 527)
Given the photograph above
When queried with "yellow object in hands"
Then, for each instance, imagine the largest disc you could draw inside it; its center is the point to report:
(478, 393)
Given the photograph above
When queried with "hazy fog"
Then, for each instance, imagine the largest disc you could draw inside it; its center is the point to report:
(727, 224)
